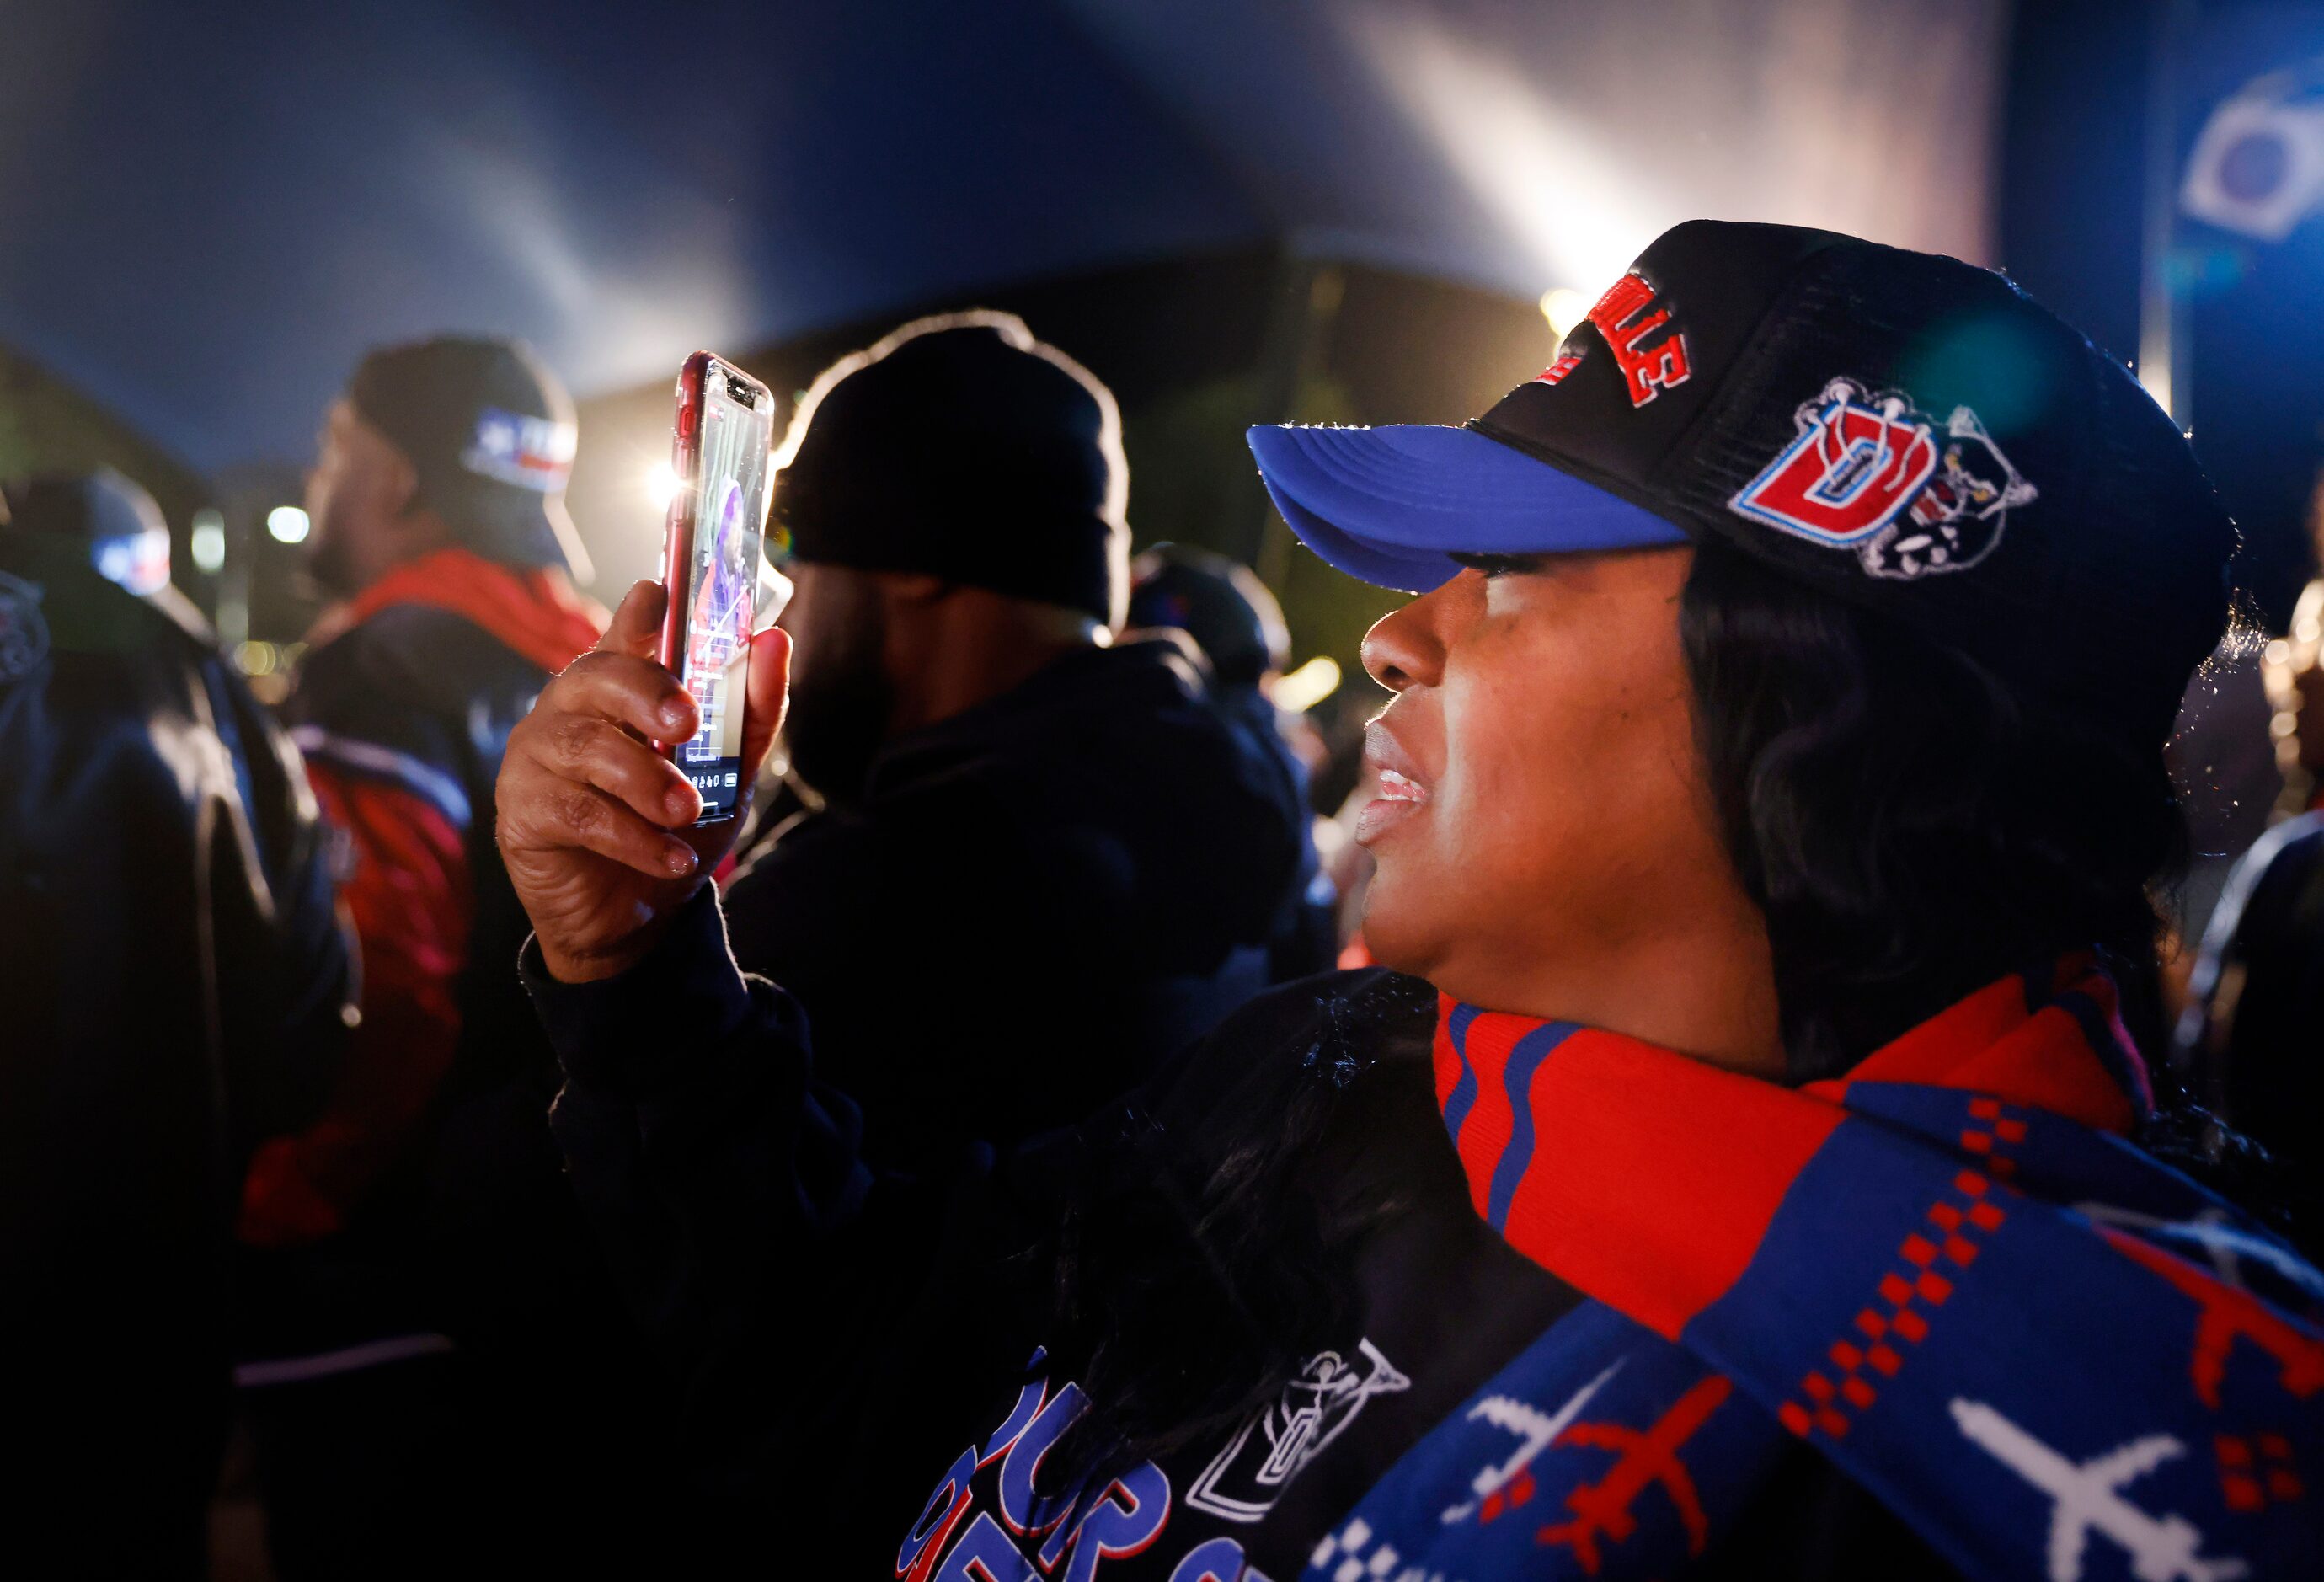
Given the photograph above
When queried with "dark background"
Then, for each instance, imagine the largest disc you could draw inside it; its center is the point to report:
(2069, 217)
(1219, 212)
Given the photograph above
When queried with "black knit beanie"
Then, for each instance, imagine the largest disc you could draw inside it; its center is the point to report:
(961, 448)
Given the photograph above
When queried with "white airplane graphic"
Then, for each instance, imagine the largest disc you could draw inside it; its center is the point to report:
(2089, 1497)
(2218, 1236)
(1532, 1428)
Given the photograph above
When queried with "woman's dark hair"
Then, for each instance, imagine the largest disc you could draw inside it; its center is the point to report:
(1913, 828)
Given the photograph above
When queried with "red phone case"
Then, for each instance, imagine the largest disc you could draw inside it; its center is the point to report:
(685, 504)
(677, 528)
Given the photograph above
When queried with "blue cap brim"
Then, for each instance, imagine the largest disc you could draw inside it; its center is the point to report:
(1392, 505)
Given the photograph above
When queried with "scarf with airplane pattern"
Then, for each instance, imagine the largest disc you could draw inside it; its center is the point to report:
(1950, 1273)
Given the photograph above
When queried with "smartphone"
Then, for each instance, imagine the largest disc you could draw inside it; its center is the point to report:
(720, 444)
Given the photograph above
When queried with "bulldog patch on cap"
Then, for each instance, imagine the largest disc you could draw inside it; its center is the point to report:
(1876, 475)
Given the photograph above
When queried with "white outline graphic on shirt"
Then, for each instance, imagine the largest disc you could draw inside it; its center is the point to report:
(1314, 1409)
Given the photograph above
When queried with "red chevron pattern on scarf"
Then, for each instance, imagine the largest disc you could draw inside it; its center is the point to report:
(1648, 1178)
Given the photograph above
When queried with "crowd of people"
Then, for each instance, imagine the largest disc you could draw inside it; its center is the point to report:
(1751, 1130)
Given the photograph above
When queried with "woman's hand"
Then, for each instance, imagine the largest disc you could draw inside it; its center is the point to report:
(595, 825)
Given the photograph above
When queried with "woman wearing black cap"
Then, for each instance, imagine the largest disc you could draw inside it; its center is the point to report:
(1761, 1182)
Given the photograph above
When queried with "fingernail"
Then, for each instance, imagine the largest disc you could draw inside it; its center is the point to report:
(682, 802)
(681, 860)
(673, 712)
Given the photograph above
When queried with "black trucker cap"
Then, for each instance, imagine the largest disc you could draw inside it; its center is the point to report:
(490, 432)
(960, 446)
(1902, 430)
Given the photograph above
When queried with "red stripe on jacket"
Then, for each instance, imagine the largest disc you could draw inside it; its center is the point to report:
(410, 899)
(533, 613)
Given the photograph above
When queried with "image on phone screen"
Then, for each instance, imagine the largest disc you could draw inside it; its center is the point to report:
(721, 588)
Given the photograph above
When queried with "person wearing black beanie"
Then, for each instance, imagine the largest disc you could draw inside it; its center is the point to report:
(959, 446)
(1001, 785)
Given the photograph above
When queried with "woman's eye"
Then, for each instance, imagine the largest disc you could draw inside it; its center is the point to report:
(1493, 565)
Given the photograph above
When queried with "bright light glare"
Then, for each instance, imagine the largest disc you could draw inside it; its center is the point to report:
(1565, 308)
(209, 543)
(288, 524)
(661, 483)
(1301, 689)
(1570, 192)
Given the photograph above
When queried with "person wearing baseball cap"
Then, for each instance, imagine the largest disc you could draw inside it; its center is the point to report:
(459, 441)
(439, 528)
(1747, 1168)
(1002, 781)
(128, 541)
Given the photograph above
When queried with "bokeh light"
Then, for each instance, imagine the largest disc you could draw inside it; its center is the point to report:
(288, 524)
(1301, 689)
(207, 542)
(1565, 308)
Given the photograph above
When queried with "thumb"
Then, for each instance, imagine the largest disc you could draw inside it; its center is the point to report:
(768, 697)
(636, 626)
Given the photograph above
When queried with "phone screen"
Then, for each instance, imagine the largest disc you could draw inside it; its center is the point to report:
(730, 518)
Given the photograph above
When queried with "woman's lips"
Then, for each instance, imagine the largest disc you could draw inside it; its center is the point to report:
(1401, 793)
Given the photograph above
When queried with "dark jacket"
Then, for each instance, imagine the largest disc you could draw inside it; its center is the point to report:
(847, 1339)
(1306, 940)
(1096, 844)
(442, 1234)
(403, 714)
(2256, 1019)
(172, 984)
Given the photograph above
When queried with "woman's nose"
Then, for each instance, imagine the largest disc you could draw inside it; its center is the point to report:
(1403, 649)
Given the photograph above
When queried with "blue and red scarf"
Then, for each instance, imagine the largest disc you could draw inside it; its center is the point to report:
(1950, 1273)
